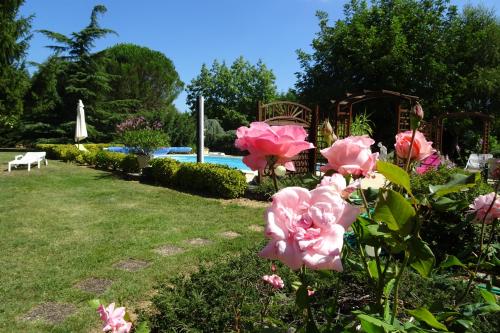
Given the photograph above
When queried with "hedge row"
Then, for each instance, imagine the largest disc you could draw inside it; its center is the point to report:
(211, 179)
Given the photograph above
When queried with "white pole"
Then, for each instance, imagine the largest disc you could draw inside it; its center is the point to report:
(200, 130)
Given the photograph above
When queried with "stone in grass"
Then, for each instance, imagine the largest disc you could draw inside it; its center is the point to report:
(131, 265)
(94, 285)
(256, 228)
(51, 312)
(168, 250)
(230, 234)
(198, 241)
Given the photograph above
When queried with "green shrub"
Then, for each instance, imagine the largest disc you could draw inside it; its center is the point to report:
(212, 179)
(226, 296)
(129, 164)
(108, 160)
(164, 170)
(449, 232)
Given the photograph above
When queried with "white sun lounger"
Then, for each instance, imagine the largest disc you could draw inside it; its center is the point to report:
(28, 159)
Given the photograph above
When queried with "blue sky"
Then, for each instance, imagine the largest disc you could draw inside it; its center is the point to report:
(193, 32)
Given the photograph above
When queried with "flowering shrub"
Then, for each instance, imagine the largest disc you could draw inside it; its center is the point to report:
(142, 136)
(306, 228)
(138, 123)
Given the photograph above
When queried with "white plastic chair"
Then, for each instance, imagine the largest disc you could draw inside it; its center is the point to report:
(29, 159)
(477, 161)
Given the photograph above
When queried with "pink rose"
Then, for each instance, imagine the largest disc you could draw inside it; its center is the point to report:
(263, 142)
(351, 155)
(481, 205)
(274, 280)
(307, 227)
(339, 184)
(421, 147)
(114, 319)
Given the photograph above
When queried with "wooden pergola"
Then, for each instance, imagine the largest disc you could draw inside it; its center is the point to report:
(344, 109)
(438, 125)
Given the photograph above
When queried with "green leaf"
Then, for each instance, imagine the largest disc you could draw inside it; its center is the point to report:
(444, 204)
(372, 267)
(451, 261)
(394, 174)
(457, 183)
(374, 325)
(488, 297)
(422, 314)
(94, 303)
(421, 257)
(369, 232)
(301, 297)
(395, 211)
(387, 292)
(142, 328)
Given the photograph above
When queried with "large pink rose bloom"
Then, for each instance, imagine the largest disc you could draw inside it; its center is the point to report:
(307, 227)
(481, 205)
(263, 141)
(351, 155)
(338, 183)
(114, 319)
(421, 147)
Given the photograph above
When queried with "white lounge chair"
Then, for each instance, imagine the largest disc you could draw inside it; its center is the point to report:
(477, 161)
(28, 159)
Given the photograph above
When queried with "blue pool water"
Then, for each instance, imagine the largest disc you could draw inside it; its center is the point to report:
(232, 161)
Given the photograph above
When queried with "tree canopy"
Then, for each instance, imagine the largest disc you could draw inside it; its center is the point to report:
(419, 47)
(232, 93)
(14, 80)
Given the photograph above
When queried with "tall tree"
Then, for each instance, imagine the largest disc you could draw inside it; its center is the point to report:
(232, 93)
(14, 80)
(83, 78)
(420, 47)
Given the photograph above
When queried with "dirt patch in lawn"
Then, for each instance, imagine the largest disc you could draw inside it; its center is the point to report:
(94, 285)
(51, 312)
(131, 265)
(198, 241)
(168, 250)
(230, 234)
(256, 228)
(246, 202)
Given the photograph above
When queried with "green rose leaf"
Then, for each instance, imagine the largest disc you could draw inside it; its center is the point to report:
(374, 325)
(421, 257)
(395, 211)
(394, 174)
(451, 261)
(458, 182)
(488, 297)
(422, 314)
(302, 298)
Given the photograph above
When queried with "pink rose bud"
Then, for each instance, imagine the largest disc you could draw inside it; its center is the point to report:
(310, 292)
(417, 111)
(274, 280)
(273, 268)
(481, 206)
(421, 148)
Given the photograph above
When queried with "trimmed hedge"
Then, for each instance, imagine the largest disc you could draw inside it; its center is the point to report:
(212, 179)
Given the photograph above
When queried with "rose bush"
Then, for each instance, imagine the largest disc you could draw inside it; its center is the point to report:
(113, 319)
(351, 156)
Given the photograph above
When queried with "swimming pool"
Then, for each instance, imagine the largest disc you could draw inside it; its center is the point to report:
(231, 161)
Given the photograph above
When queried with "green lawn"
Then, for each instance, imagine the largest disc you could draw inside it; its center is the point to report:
(65, 223)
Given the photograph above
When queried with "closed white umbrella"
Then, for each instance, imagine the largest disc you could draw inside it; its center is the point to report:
(81, 127)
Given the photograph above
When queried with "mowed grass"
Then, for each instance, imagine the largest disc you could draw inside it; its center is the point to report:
(65, 223)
